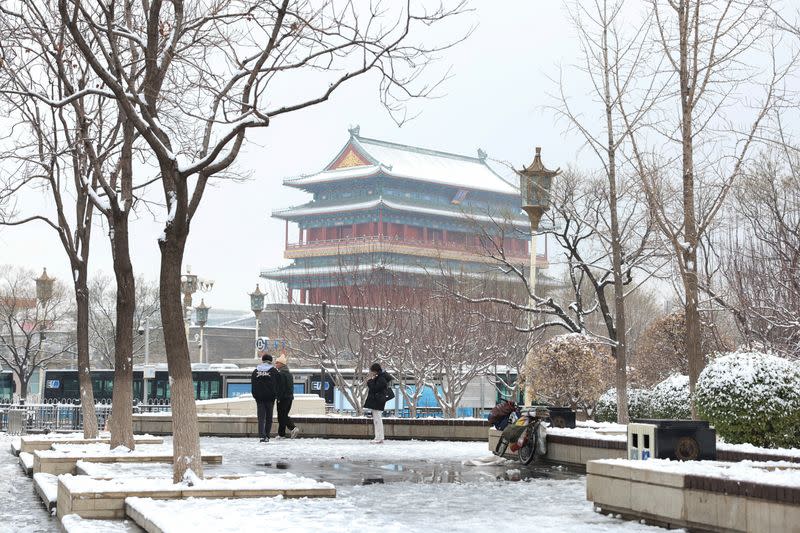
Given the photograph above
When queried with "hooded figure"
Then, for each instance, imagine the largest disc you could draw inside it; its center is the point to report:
(285, 397)
(265, 384)
(378, 385)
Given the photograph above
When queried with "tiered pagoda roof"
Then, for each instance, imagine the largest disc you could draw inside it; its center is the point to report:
(403, 210)
(363, 158)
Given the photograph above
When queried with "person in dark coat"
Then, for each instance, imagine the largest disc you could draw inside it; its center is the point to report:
(285, 399)
(265, 383)
(378, 385)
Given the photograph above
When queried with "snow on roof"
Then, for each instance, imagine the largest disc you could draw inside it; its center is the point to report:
(410, 162)
(360, 206)
(292, 271)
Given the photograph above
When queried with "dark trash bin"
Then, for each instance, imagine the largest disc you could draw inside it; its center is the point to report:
(682, 440)
(561, 417)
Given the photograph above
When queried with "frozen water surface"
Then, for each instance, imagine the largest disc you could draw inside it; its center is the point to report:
(395, 486)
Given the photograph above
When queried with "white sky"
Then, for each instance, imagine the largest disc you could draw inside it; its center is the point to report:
(493, 101)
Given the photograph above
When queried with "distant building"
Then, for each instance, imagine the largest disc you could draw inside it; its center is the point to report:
(409, 214)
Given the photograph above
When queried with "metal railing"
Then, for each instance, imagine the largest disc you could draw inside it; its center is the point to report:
(17, 419)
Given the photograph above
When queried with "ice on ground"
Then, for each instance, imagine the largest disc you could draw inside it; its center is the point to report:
(248, 450)
(397, 507)
(21, 508)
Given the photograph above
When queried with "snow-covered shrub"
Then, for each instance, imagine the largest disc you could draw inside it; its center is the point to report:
(569, 370)
(638, 405)
(670, 398)
(752, 397)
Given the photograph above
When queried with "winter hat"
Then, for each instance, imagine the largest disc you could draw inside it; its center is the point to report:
(266, 358)
(281, 359)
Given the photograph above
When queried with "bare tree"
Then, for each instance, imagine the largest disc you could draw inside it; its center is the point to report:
(103, 318)
(614, 53)
(59, 82)
(353, 334)
(759, 256)
(462, 344)
(205, 70)
(571, 370)
(25, 346)
(706, 53)
(662, 348)
(49, 156)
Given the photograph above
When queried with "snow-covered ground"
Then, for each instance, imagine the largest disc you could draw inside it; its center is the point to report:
(21, 509)
(410, 486)
(536, 505)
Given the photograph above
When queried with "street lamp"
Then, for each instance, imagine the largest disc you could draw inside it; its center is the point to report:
(257, 306)
(201, 315)
(535, 181)
(44, 287)
(44, 291)
(190, 284)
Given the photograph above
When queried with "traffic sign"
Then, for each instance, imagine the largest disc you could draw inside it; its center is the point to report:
(262, 343)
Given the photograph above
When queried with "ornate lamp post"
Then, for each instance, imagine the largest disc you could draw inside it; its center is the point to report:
(535, 181)
(44, 291)
(201, 316)
(257, 306)
(44, 287)
(190, 284)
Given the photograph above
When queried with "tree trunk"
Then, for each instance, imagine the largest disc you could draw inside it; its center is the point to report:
(186, 440)
(688, 248)
(694, 350)
(23, 393)
(84, 366)
(122, 400)
(617, 327)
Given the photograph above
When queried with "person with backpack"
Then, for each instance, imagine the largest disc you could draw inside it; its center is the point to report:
(265, 383)
(379, 393)
(285, 398)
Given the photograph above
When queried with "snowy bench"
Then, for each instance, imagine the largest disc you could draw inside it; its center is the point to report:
(705, 495)
(91, 497)
(31, 444)
(64, 462)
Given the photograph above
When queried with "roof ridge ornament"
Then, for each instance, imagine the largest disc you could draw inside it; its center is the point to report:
(354, 131)
(482, 155)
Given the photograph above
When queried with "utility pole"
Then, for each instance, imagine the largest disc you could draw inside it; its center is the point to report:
(322, 361)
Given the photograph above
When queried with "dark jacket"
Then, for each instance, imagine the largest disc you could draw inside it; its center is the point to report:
(265, 382)
(286, 389)
(378, 387)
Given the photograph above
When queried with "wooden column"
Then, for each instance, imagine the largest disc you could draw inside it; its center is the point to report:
(286, 237)
(289, 294)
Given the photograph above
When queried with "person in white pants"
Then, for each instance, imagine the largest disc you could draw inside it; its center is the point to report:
(379, 393)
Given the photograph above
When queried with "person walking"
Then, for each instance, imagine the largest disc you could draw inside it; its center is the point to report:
(285, 398)
(379, 393)
(264, 384)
